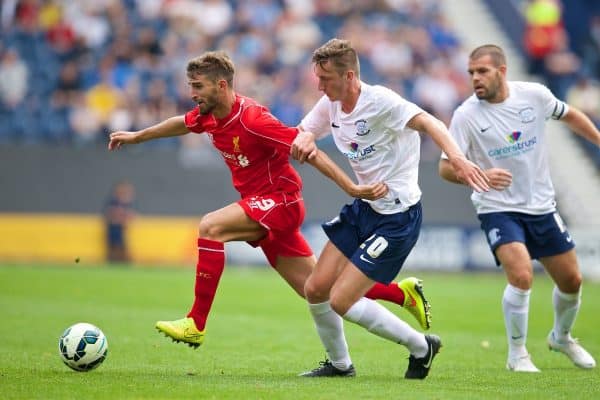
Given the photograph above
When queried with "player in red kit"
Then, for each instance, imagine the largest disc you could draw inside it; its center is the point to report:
(256, 148)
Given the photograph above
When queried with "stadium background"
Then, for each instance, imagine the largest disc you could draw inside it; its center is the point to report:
(72, 71)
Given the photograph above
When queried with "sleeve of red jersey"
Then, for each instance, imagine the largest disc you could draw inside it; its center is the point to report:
(260, 122)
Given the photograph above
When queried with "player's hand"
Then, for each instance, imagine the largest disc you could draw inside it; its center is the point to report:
(499, 178)
(470, 174)
(304, 147)
(369, 192)
(120, 138)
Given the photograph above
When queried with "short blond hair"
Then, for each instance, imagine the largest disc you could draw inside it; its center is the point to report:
(340, 53)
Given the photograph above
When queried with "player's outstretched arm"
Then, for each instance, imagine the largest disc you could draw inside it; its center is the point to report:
(499, 179)
(465, 170)
(327, 167)
(582, 125)
(174, 126)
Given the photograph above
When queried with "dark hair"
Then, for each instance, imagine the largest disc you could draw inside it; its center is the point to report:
(495, 52)
(342, 55)
(214, 65)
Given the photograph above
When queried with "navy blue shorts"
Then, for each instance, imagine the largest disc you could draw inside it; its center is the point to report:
(377, 244)
(543, 235)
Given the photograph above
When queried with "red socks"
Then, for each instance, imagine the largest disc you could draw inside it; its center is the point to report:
(390, 292)
(211, 262)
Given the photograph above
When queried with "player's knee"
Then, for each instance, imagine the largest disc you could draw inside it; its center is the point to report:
(339, 304)
(522, 279)
(571, 284)
(314, 294)
(209, 228)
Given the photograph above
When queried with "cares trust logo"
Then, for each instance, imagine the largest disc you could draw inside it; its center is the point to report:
(517, 146)
(514, 137)
(356, 153)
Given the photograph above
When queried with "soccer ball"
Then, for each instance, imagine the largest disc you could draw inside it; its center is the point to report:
(82, 347)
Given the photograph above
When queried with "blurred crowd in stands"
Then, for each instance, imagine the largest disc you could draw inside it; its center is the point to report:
(71, 71)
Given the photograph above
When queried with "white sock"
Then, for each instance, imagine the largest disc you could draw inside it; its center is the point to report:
(382, 322)
(330, 328)
(515, 304)
(566, 306)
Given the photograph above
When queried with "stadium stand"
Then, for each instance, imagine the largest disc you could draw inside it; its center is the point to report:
(79, 69)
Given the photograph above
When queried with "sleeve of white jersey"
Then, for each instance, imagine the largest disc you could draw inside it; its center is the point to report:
(459, 130)
(402, 111)
(553, 107)
(317, 120)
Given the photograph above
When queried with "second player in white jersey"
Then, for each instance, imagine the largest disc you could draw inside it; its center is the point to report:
(377, 130)
(501, 128)
(375, 139)
(511, 135)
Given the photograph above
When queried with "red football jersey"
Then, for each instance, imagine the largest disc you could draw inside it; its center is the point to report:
(254, 144)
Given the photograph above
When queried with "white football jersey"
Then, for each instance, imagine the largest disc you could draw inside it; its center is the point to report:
(376, 141)
(511, 135)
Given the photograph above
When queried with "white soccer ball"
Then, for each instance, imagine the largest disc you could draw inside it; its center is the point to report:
(82, 347)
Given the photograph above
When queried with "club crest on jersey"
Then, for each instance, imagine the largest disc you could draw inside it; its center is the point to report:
(527, 115)
(514, 137)
(361, 127)
(236, 144)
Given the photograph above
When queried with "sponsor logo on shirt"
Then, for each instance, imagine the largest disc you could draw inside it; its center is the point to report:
(517, 146)
(359, 154)
(243, 161)
(361, 127)
(514, 137)
(239, 159)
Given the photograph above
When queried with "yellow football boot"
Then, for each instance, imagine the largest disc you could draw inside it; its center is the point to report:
(182, 330)
(415, 302)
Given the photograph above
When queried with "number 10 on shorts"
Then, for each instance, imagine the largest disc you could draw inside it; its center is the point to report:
(376, 246)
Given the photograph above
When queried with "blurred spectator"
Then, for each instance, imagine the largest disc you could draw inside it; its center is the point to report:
(435, 92)
(299, 36)
(83, 121)
(561, 66)
(13, 79)
(104, 97)
(118, 214)
(585, 95)
(8, 9)
(591, 48)
(543, 25)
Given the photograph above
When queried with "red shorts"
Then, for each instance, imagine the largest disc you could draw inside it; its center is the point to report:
(282, 215)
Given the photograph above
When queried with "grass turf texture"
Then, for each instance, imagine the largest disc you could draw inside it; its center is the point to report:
(260, 336)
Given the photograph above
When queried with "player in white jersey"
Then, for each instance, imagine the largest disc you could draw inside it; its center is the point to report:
(377, 130)
(501, 129)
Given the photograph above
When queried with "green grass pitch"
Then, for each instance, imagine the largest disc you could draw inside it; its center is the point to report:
(260, 336)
